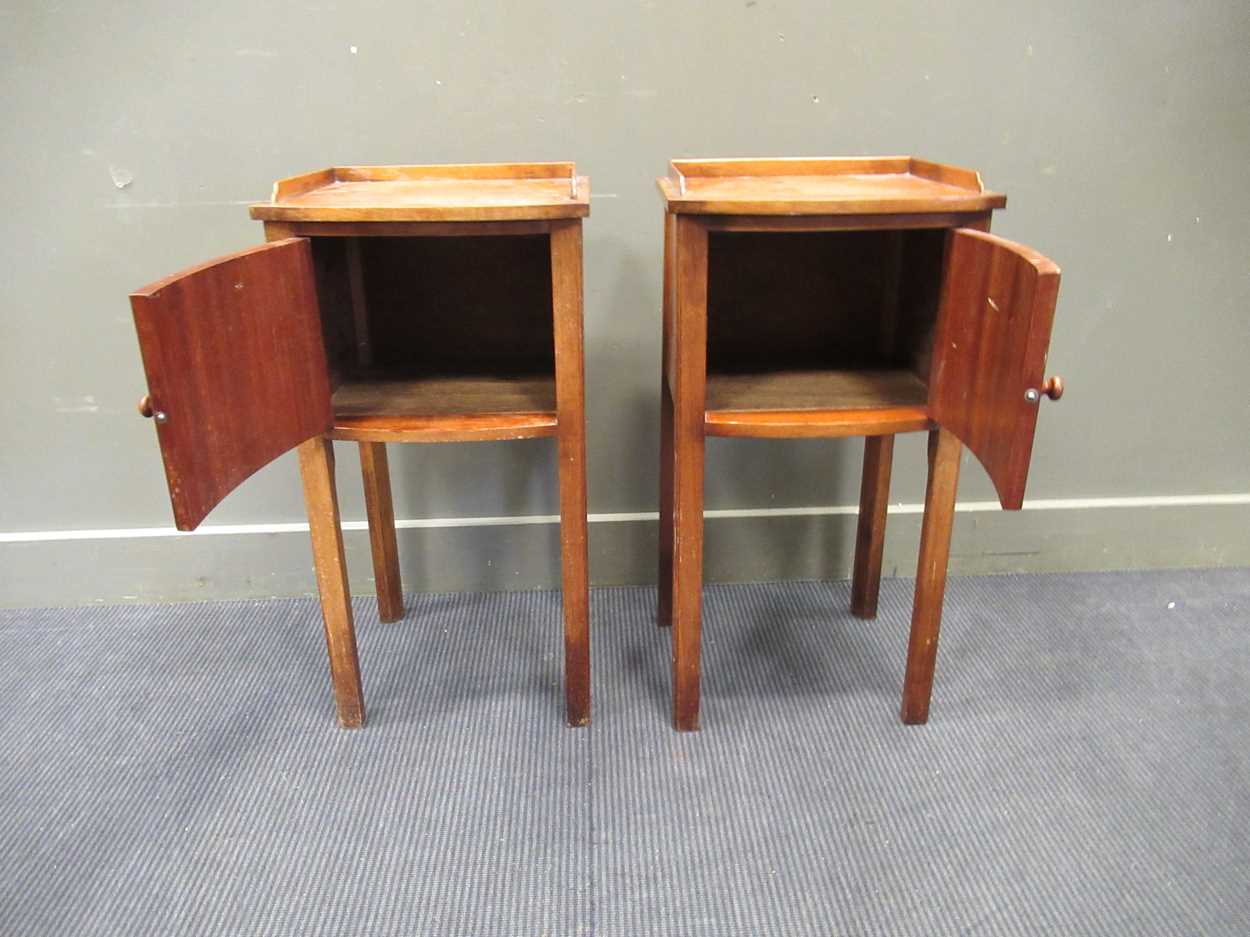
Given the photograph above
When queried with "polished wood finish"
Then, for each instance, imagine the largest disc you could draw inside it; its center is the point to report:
(235, 365)
(446, 193)
(689, 373)
(815, 424)
(382, 543)
(277, 230)
(391, 304)
(815, 390)
(799, 404)
(566, 290)
(825, 298)
(445, 409)
(463, 323)
(935, 544)
(474, 428)
(1053, 387)
(316, 462)
(874, 497)
(840, 222)
(874, 185)
(998, 303)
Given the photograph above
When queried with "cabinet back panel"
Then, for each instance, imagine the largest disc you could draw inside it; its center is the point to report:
(459, 305)
(820, 300)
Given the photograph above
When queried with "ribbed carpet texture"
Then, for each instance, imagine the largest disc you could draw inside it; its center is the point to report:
(171, 770)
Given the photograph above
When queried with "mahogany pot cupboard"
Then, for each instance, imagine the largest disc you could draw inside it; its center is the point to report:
(390, 304)
(843, 297)
(802, 298)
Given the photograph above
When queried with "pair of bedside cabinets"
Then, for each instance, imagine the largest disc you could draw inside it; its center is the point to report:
(801, 298)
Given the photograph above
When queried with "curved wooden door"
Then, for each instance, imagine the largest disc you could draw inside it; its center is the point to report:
(994, 320)
(236, 369)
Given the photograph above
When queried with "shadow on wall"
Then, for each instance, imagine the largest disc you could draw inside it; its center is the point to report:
(747, 473)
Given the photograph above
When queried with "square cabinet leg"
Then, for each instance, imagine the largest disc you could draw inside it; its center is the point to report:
(687, 580)
(874, 497)
(381, 512)
(566, 293)
(316, 462)
(690, 355)
(664, 580)
(664, 601)
(935, 547)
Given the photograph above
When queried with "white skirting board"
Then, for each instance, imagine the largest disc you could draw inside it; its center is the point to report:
(963, 507)
(457, 554)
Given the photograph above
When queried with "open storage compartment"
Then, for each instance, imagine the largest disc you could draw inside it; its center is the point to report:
(438, 326)
(821, 320)
(435, 287)
(419, 327)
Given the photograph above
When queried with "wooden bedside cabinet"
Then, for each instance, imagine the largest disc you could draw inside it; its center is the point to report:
(392, 304)
(843, 297)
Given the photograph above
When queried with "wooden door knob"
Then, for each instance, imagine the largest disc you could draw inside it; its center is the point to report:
(1052, 388)
(150, 412)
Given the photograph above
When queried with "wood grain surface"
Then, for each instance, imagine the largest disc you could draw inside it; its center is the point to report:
(383, 547)
(316, 462)
(448, 193)
(994, 324)
(234, 359)
(874, 497)
(935, 547)
(689, 343)
(857, 185)
(566, 292)
(445, 409)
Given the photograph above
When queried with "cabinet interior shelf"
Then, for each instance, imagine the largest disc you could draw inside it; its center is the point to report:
(833, 402)
(445, 408)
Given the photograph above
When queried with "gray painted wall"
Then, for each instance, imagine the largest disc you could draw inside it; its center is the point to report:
(135, 136)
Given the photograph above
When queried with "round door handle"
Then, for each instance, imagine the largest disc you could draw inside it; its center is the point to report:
(147, 410)
(1053, 388)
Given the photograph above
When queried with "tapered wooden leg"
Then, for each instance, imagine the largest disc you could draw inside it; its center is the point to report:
(874, 496)
(316, 463)
(664, 604)
(687, 579)
(690, 336)
(664, 580)
(381, 512)
(935, 544)
(566, 292)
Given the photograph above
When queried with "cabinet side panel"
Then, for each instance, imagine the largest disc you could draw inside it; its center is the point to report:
(919, 290)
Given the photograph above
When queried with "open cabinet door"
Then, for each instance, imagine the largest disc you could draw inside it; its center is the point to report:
(998, 302)
(236, 369)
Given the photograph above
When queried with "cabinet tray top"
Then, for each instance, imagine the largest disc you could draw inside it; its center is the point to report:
(467, 192)
(854, 185)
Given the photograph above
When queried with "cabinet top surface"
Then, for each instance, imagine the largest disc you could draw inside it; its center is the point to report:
(467, 192)
(837, 186)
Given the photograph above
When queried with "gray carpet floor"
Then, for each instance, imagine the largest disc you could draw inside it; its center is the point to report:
(1086, 770)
